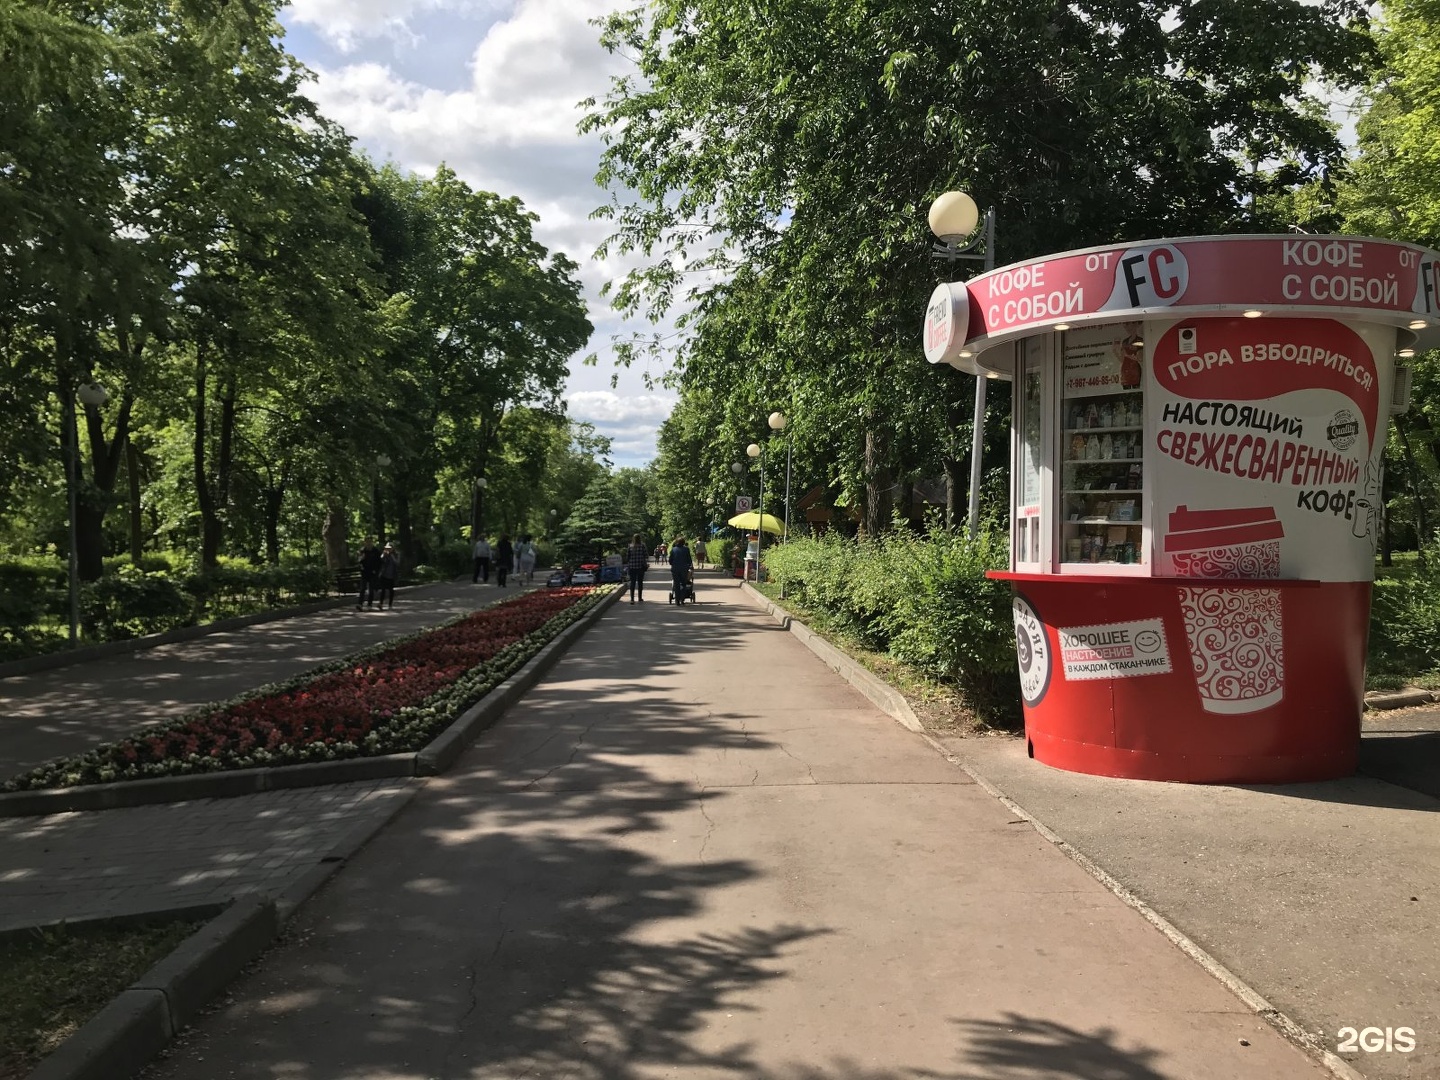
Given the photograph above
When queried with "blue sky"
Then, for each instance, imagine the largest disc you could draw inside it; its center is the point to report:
(490, 87)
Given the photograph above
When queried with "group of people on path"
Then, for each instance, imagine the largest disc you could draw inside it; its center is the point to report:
(682, 564)
(506, 558)
(697, 552)
(379, 570)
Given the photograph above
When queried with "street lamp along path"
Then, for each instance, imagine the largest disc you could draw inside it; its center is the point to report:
(954, 218)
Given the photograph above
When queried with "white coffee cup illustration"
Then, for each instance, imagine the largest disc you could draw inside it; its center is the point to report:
(1236, 635)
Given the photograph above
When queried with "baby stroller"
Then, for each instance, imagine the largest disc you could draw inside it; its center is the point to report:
(685, 590)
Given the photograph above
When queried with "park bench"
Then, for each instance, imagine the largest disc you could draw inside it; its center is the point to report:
(347, 580)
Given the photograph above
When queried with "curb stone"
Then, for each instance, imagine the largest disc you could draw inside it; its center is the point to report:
(434, 757)
(129, 1032)
(1399, 699)
(125, 1035)
(442, 751)
(864, 680)
(884, 696)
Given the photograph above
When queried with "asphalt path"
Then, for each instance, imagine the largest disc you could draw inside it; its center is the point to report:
(693, 851)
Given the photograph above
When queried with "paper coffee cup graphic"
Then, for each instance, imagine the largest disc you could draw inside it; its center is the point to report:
(1236, 639)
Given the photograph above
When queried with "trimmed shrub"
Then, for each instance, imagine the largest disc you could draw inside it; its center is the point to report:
(130, 603)
(925, 600)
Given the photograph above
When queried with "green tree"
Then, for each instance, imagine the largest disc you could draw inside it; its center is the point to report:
(782, 155)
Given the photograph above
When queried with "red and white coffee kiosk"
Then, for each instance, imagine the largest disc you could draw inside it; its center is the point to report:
(1198, 435)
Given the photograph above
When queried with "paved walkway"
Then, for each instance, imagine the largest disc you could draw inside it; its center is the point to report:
(120, 862)
(68, 710)
(692, 851)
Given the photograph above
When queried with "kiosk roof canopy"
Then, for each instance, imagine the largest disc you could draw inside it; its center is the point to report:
(1379, 281)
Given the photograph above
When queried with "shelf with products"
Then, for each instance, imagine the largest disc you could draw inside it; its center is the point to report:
(1109, 541)
(1123, 410)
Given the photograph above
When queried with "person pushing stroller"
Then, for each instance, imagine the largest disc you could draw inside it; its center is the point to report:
(681, 572)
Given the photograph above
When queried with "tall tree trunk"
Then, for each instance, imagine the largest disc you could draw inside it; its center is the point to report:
(333, 535)
(94, 498)
(137, 520)
(879, 496)
(274, 497)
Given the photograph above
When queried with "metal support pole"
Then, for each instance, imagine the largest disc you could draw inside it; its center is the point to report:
(760, 530)
(977, 439)
(785, 529)
(72, 471)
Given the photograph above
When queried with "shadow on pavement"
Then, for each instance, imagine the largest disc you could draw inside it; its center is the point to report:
(1019, 1047)
(1411, 760)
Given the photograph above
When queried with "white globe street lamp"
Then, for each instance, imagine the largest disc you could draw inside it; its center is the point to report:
(954, 218)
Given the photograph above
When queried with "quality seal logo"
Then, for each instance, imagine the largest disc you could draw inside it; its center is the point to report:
(1343, 429)
(1033, 651)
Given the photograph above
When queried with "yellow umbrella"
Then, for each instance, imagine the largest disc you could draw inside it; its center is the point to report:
(751, 521)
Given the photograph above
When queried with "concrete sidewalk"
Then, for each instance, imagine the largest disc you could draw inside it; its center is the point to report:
(68, 710)
(693, 851)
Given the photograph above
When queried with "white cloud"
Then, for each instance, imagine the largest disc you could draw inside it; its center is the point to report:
(507, 124)
(629, 421)
(345, 23)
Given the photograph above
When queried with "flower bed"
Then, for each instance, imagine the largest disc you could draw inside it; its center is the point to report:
(390, 699)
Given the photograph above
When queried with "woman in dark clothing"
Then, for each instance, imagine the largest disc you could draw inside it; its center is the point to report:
(637, 560)
(389, 574)
(504, 559)
(680, 563)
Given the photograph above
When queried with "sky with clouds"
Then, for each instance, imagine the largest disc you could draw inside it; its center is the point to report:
(491, 88)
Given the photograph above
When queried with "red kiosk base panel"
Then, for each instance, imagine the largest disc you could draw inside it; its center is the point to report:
(1192, 680)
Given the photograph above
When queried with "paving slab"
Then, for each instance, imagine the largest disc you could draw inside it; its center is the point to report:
(97, 864)
(693, 852)
(1325, 898)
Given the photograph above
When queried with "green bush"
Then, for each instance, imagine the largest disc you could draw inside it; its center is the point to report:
(31, 592)
(1405, 620)
(130, 603)
(925, 600)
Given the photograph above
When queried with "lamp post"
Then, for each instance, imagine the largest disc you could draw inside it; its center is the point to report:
(382, 461)
(953, 219)
(737, 468)
(778, 420)
(89, 394)
(550, 523)
(754, 450)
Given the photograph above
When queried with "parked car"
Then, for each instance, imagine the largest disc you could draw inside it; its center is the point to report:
(557, 579)
(584, 576)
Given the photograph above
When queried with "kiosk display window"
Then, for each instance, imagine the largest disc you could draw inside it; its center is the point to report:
(1102, 446)
(1030, 447)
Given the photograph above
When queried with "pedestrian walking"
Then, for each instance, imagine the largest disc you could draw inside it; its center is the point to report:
(637, 561)
(481, 554)
(525, 559)
(389, 574)
(700, 555)
(504, 559)
(681, 565)
(369, 573)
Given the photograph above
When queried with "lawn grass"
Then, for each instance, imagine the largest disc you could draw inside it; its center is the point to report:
(53, 981)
